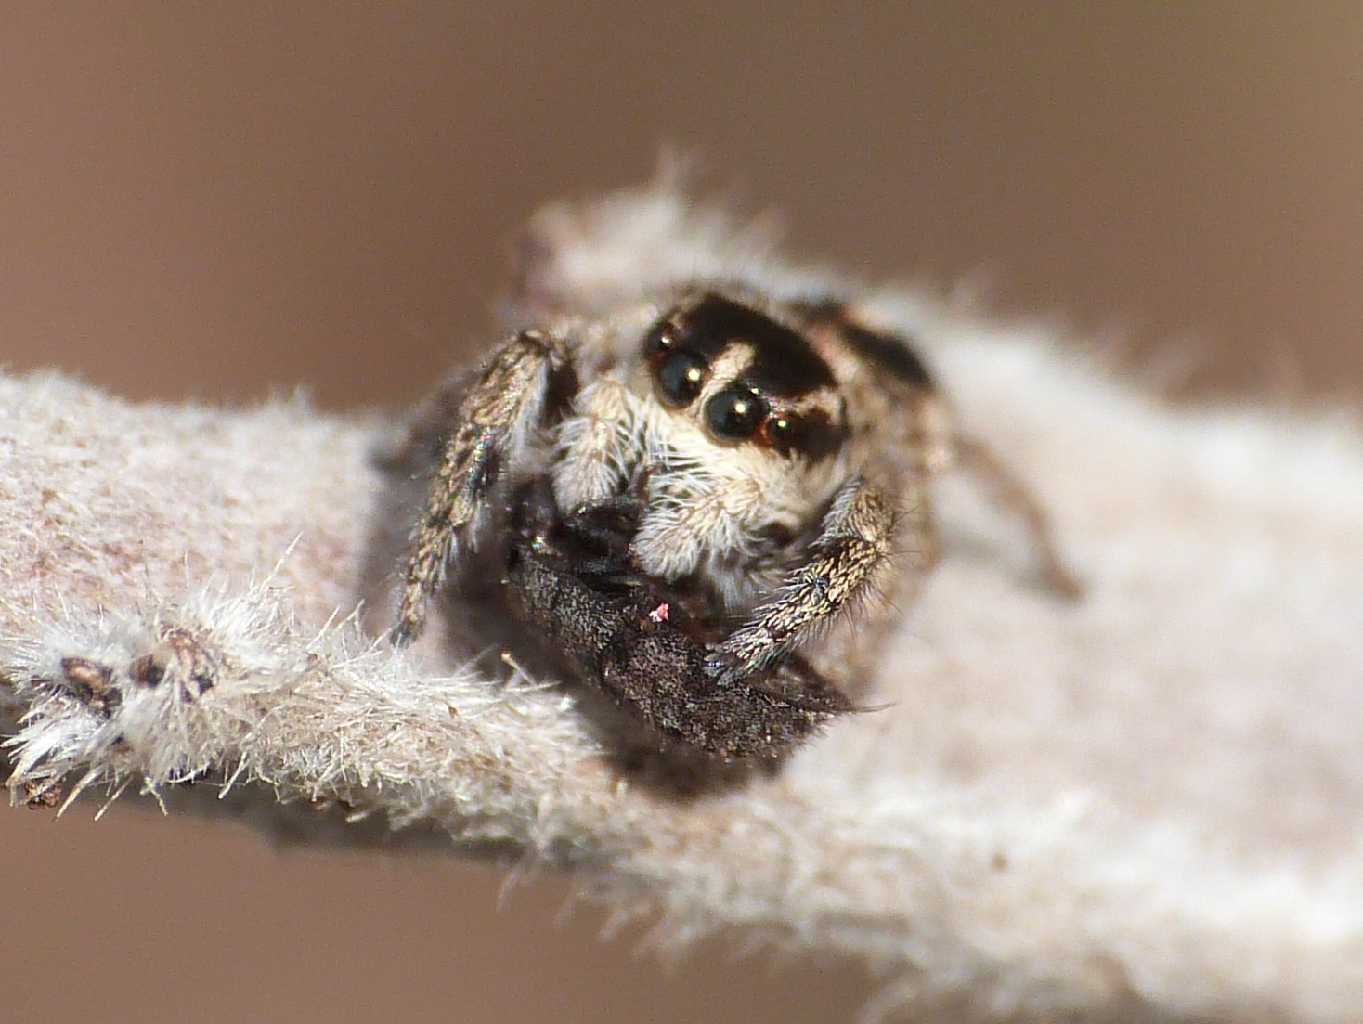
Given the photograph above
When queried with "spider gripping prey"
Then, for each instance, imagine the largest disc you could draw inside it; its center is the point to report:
(685, 499)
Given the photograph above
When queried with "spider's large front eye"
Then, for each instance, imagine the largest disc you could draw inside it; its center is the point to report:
(680, 376)
(735, 413)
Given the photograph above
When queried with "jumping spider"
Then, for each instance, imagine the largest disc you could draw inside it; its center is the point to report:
(684, 497)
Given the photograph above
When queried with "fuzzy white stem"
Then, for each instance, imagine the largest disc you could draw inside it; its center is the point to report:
(1150, 800)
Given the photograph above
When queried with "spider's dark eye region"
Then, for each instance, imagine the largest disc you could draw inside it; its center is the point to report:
(810, 434)
(781, 431)
(735, 414)
(659, 341)
(680, 377)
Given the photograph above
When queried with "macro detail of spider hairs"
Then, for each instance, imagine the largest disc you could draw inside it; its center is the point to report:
(1147, 804)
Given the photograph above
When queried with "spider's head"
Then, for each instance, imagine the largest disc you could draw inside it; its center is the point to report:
(746, 379)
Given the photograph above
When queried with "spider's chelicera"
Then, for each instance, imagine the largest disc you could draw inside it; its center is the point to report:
(687, 497)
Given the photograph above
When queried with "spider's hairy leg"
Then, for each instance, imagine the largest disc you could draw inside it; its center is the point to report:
(497, 412)
(931, 434)
(854, 547)
(1013, 494)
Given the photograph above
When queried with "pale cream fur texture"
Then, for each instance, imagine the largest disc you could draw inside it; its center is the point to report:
(1146, 804)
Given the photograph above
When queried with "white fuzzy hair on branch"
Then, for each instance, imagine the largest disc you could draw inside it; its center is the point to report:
(1148, 804)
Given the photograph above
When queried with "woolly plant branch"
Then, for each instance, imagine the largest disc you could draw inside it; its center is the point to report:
(1146, 803)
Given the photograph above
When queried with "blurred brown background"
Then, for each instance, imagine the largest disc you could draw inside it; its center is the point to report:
(218, 201)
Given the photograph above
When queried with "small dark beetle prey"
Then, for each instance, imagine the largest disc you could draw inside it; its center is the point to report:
(684, 499)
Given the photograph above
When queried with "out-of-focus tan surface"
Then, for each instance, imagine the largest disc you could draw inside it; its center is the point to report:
(220, 202)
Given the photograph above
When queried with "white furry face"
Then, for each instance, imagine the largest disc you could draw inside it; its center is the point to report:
(728, 425)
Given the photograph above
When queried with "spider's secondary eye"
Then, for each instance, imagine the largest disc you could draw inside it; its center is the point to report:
(735, 413)
(681, 375)
(780, 430)
(659, 341)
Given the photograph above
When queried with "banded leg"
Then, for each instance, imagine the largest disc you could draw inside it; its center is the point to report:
(1014, 495)
(854, 545)
(493, 419)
